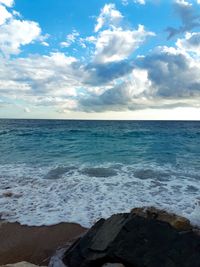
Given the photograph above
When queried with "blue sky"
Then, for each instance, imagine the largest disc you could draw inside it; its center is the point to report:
(124, 59)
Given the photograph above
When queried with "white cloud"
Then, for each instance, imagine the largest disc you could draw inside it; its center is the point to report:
(191, 43)
(174, 74)
(70, 39)
(117, 44)
(91, 39)
(67, 105)
(65, 44)
(168, 77)
(27, 110)
(16, 33)
(45, 43)
(183, 2)
(141, 2)
(113, 79)
(54, 80)
(39, 80)
(8, 3)
(109, 16)
(60, 59)
(83, 42)
(16, 13)
(4, 15)
(189, 16)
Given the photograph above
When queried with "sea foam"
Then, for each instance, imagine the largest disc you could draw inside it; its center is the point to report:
(85, 193)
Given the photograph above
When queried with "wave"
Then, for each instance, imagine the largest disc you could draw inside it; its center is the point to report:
(74, 131)
(99, 172)
(58, 172)
(5, 132)
(37, 195)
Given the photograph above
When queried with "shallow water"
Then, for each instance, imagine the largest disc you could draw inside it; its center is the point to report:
(80, 171)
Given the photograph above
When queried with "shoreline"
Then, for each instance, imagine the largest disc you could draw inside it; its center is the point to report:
(34, 244)
(22, 244)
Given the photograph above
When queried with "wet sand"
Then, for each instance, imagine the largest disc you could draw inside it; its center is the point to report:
(34, 244)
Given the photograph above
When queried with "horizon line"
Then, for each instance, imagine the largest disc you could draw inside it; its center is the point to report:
(53, 119)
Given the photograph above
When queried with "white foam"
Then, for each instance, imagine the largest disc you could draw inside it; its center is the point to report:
(76, 197)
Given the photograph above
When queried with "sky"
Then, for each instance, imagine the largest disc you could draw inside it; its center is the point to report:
(97, 59)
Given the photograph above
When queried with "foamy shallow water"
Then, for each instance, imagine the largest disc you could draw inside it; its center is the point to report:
(80, 171)
(85, 193)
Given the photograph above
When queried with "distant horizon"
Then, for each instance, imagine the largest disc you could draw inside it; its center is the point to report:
(122, 120)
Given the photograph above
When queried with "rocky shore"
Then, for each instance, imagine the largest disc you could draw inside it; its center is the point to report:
(145, 237)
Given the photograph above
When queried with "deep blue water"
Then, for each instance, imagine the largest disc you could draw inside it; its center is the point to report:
(49, 141)
(67, 160)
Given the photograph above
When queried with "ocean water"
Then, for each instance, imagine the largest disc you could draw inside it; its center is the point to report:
(55, 171)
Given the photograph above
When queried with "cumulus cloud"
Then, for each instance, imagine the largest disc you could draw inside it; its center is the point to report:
(189, 18)
(167, 77)
(183, 2)
(113, 78)
(101, 74)
(163, 79)
(17, 33)
(4, 14)
(190, 43)
(125, 95)
(109, 16)
(173, 74)
(39, 77)
(57, 80)
(8, 3)
(117, 44)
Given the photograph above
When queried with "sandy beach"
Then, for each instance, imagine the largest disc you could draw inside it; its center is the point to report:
(34, 244)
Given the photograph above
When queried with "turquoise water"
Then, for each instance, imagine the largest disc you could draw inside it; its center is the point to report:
(82, 170)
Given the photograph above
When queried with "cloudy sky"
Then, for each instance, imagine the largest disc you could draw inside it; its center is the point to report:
(95, 59)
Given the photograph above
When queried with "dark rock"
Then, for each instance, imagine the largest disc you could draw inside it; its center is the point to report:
(8, 194)
(141, 238)
(178, 222)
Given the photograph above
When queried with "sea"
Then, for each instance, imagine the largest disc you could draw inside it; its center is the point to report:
(54, 171)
